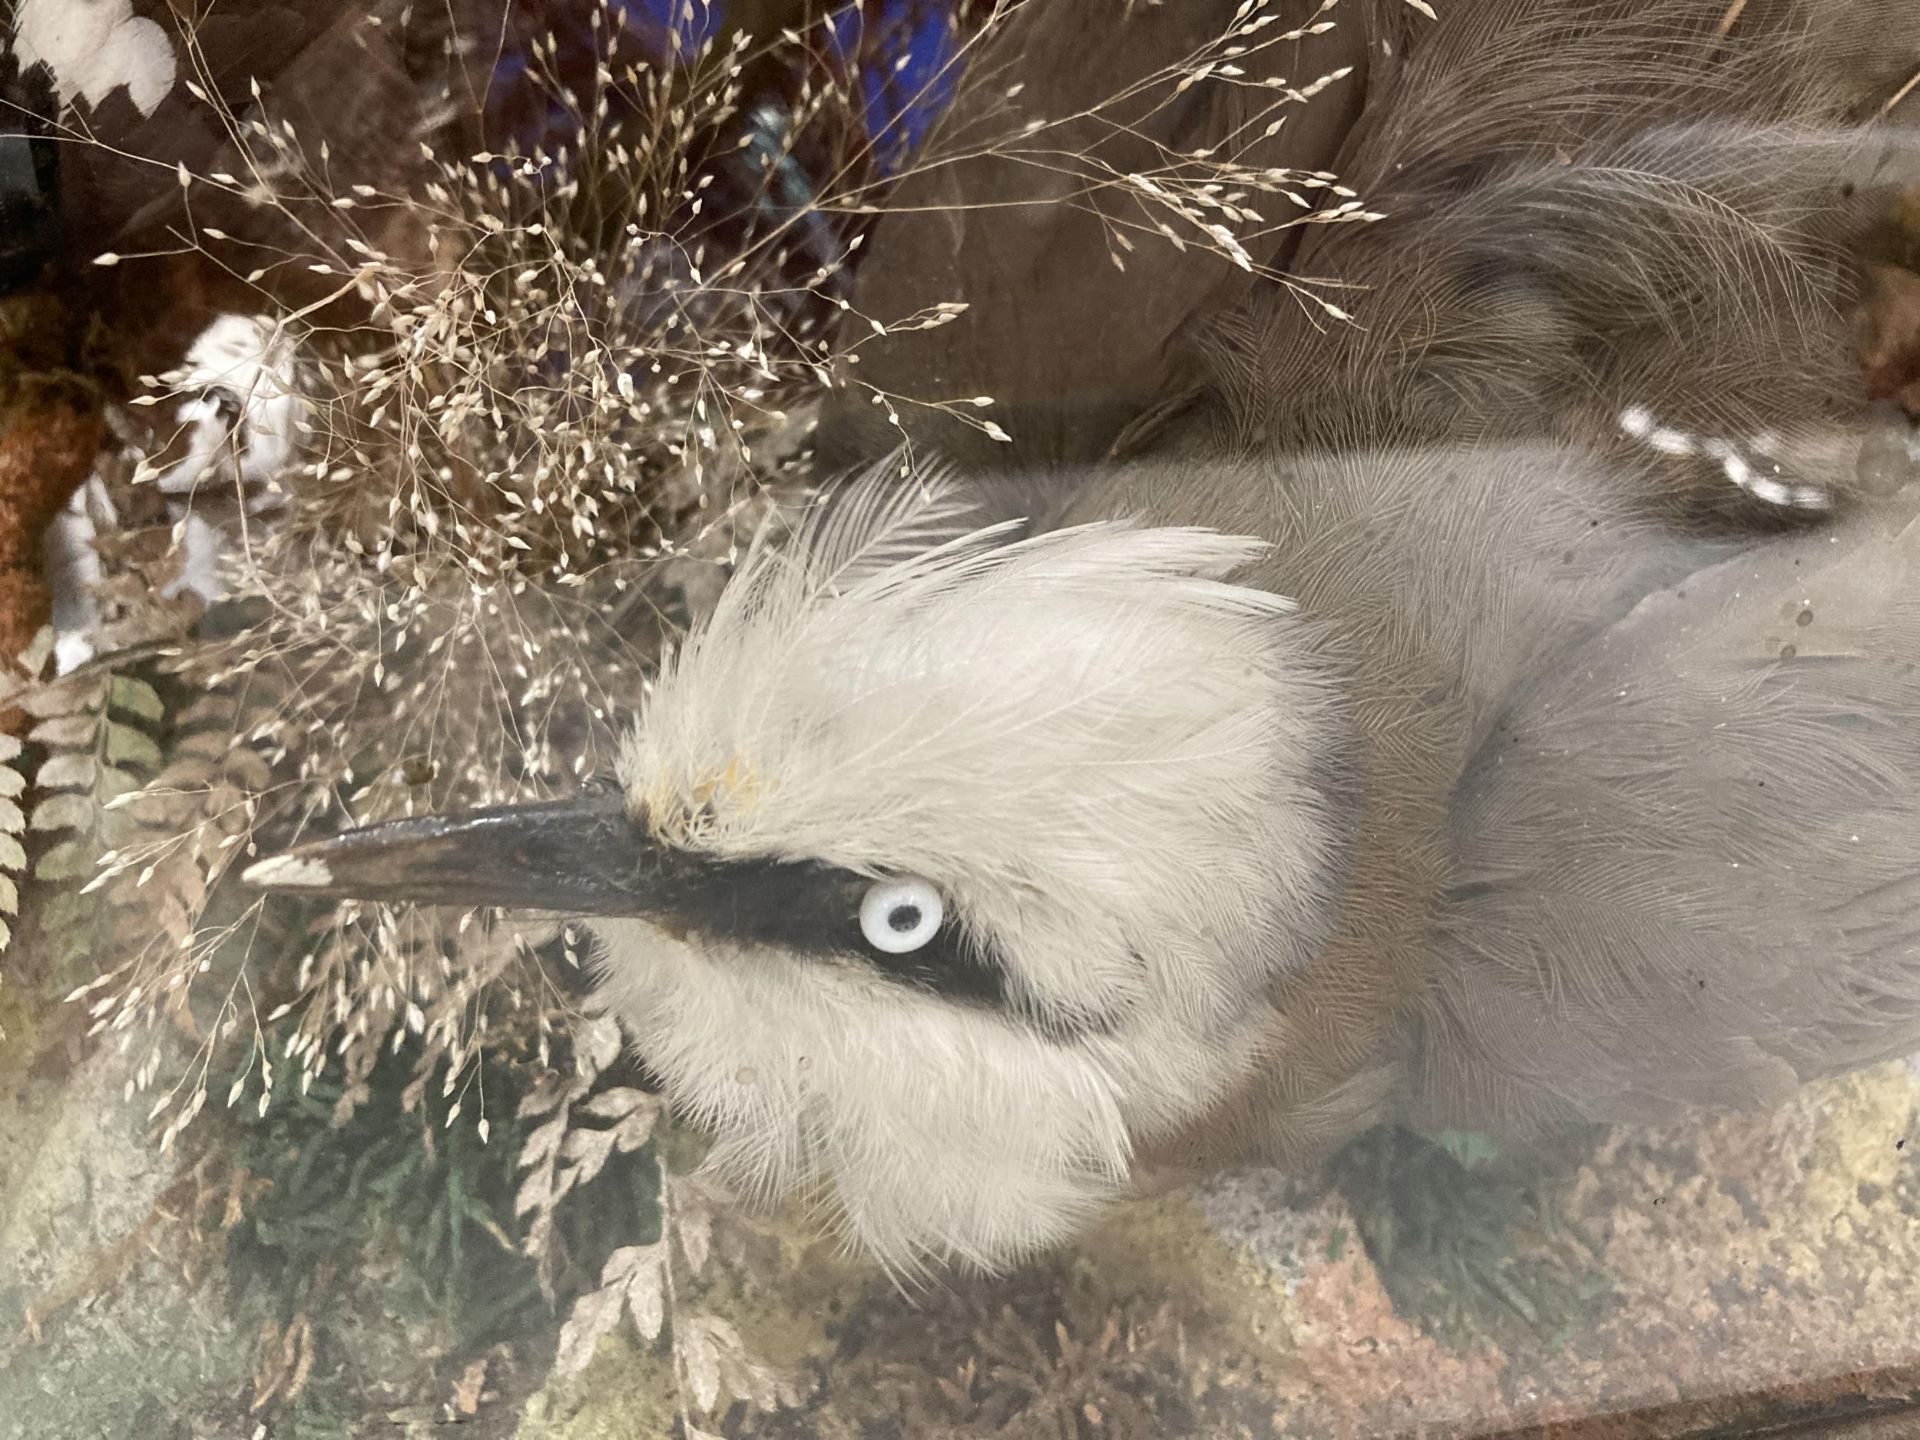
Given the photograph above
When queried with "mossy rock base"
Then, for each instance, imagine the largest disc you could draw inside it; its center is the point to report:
(1754, 1267)
(1752, 1260)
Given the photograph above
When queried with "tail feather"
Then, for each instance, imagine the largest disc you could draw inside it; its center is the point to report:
(1592, 210)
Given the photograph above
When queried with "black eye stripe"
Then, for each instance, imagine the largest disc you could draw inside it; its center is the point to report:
(813, 909)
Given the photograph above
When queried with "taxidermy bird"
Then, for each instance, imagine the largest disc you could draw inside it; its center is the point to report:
(1499, 712)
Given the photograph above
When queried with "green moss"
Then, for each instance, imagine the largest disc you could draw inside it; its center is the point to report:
(625, 1393)
(17, 1030)
(1472, 1256)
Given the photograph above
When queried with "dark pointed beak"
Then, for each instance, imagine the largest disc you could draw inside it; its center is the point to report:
(584, 856)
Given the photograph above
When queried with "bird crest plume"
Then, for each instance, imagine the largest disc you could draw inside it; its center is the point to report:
(883, 608)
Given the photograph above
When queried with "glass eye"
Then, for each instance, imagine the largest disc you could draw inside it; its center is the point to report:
(898, 916)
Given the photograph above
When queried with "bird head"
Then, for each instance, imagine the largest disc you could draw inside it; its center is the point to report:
(947, 863)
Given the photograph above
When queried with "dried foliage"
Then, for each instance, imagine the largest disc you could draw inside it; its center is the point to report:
(13, 824)
(446, 504)
(451, 507)
(411, 535)
(94, 735)
(583, 1123)
(1099, 1370)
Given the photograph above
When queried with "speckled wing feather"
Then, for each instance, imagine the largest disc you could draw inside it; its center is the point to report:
(1686, 867)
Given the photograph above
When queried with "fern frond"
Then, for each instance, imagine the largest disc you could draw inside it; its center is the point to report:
(13, 854)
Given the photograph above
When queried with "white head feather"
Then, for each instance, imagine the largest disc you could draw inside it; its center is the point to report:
(1113, 763)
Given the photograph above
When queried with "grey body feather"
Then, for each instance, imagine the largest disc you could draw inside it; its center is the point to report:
(1686, 868)
(1632, 836)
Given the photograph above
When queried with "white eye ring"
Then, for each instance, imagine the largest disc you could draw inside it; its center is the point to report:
(898, 916)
